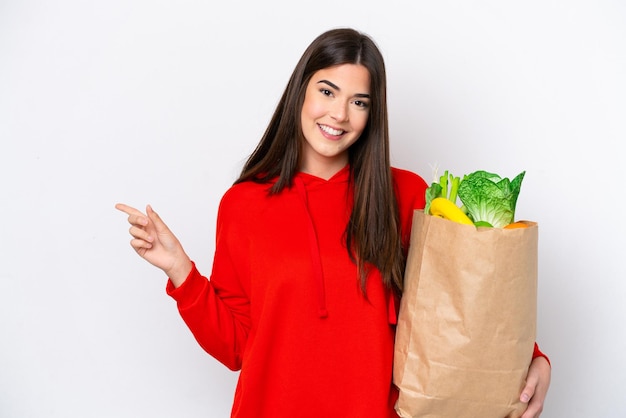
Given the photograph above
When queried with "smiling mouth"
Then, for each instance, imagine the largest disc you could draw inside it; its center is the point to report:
(331, 131)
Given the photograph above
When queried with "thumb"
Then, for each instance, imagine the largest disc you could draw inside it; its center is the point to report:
(529, 390)
(159, 225)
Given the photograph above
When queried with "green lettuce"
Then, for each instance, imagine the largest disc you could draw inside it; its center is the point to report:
(487, 197)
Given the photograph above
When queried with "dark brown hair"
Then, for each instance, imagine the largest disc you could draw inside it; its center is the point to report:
(373, 231)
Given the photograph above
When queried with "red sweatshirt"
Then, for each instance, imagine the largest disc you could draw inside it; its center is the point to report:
(284, 306)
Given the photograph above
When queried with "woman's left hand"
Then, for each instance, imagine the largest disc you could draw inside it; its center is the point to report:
(536, 389)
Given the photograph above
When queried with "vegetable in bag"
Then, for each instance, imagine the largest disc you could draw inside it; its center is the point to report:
(487, 199)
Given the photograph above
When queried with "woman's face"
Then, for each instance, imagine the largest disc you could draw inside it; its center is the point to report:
(334, 114)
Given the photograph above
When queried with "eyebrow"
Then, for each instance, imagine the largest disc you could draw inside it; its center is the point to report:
(336, 87)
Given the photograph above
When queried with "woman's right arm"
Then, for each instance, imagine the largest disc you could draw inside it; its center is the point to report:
(217, 316)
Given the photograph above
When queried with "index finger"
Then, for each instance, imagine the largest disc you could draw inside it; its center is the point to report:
(129, 210)
(134, 216)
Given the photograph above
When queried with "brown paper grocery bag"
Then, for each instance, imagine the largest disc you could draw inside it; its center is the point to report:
(467, 321)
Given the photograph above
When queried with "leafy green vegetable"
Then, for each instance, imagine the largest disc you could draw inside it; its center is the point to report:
(447, 187)
(489, 198)
(431, 193)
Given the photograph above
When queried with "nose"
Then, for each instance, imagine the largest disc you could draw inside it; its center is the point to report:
(339, 111)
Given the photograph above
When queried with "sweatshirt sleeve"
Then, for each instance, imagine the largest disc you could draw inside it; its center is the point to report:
(210, 319)
(217, 311)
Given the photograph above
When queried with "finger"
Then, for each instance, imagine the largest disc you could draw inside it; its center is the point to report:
(135, 217)
(160, 226)
(129, 210)
(532, 379)
(142, 234)
(140, 245)
(529, 389)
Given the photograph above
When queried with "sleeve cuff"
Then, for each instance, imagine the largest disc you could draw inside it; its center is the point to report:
(539, 353)
(188, 291)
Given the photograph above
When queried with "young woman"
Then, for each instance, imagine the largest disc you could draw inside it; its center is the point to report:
(310, 250)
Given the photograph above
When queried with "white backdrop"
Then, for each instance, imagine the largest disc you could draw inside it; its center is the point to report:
(160, 102)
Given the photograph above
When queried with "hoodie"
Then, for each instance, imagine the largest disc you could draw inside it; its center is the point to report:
(283, 303)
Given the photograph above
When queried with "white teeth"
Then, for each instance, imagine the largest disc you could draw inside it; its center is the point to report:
(331, 131)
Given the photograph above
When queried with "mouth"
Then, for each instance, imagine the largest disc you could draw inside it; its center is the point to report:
(331, 131)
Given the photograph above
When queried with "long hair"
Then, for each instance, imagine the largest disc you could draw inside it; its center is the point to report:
(373, 230)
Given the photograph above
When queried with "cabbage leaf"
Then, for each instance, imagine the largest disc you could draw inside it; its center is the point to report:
(489, 198)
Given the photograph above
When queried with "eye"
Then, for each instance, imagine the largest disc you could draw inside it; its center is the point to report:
(361, 103)
(326, 92)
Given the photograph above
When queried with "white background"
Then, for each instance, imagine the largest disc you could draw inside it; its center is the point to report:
(160, 102)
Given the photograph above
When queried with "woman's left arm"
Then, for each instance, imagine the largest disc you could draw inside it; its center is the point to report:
(536, 389)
